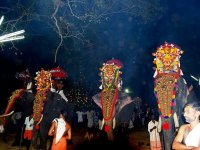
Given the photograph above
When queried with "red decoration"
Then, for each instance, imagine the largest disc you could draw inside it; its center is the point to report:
(15, 96)
(165, 126)
(107, 128)
(37, 127)
(116, 62)
(58, 73)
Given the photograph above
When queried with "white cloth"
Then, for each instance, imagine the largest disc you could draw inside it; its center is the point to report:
(80, 116)
(29, 123)
(63, 95)
(1, 128)
(90, 118)
(130, 126)
(18, 115)
(29, 86)
(193, 137)
(154, 135)
(53, 89)
(61, 127)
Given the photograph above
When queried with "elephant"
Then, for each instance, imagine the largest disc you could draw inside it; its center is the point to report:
(170, 90)
(45, 103)
(169, 126)
(20, 101)
(51, 110)
(48, 105)
(124, 103)
(111, 99)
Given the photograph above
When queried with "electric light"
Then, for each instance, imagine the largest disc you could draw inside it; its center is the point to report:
(11, 36)
(126, 91)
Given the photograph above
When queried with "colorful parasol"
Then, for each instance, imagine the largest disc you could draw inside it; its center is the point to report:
(116, 62)
(58, 73)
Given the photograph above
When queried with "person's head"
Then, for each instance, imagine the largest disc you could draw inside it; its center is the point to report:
(192, 111)
(152, 117)
(63, 114)
(60, 84)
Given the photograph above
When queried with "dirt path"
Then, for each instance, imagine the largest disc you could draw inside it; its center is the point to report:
(138, 140)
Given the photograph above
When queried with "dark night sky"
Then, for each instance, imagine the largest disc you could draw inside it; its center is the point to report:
(129, 37)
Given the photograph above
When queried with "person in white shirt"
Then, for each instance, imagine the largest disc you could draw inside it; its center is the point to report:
(80, 118)
(28, 133)
(155, 143)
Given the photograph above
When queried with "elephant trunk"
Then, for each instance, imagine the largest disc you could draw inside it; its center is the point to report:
(109, 130)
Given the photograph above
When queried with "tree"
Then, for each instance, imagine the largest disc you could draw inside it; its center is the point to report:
(72, 18)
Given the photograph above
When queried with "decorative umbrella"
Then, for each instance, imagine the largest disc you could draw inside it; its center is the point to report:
(116, 62)
(58, 73)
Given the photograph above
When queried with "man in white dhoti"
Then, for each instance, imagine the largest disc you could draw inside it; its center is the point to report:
(188, 136)
(154, 135)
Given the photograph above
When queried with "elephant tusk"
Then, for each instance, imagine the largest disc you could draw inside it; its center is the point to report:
(114, 123)
(159, 124)
(40, 120)
(102, 124)
(176, 120)
(6, 115)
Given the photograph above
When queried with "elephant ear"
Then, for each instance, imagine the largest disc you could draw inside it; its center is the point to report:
(123, 100)
(181, 98)
(192, 96)
(96, 99)
(125, 113)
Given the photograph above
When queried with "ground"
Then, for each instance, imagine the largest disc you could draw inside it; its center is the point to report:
(137, 140)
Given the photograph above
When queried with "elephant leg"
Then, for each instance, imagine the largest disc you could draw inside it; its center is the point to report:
(5, 133)
(44, 128)
(18, 136)
(35, 137)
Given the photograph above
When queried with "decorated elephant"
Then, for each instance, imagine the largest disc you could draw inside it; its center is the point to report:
(21, 101)
(170, 90)
(47, 105)
(111, 100)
